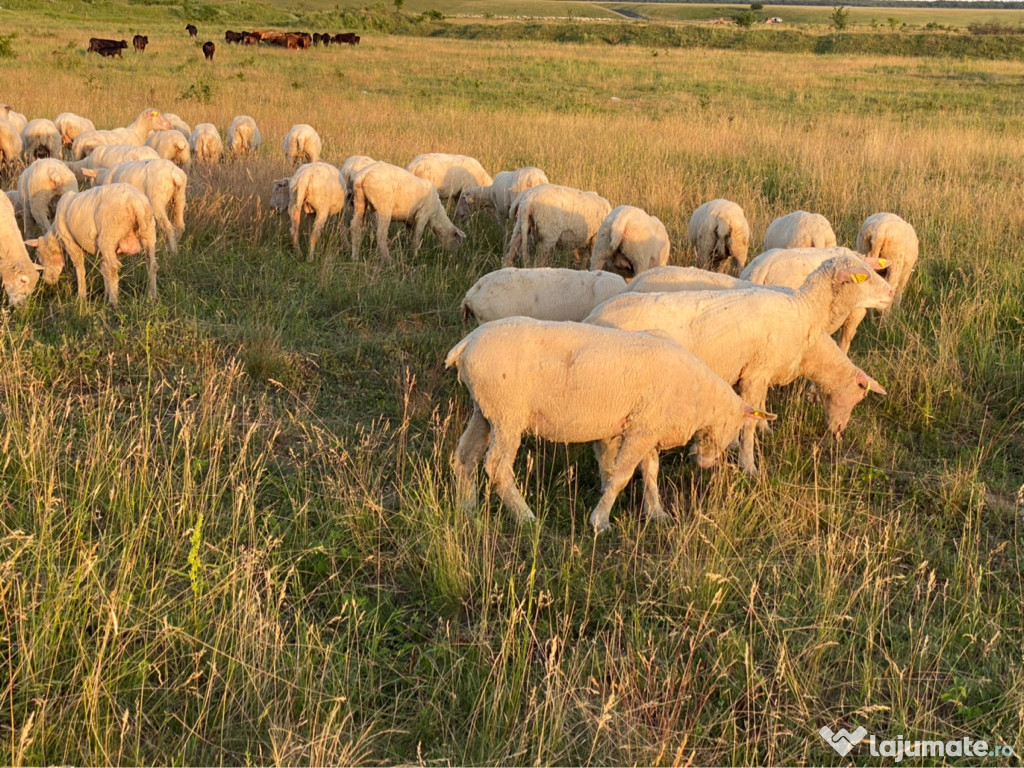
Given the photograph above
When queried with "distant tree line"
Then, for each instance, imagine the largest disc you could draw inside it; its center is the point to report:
(973, 4)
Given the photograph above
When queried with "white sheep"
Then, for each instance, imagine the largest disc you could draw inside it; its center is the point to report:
(720, 236)
(14, 198)
(10, 143)
(753, 338)
(302, 145)
(19, 273)
(394, 194)
(136, 133)
(450, 174)
(172, 145)
(71, 126)
(109, 155)
(206, 144)
(110, 220)
(790, 267)
(244, 136)
(887, 236)
(839, 382)
(630, 242)
(179, 125)
(550, 215)
(799, 230)
(528, 375)
(497, 198)
(164, 185)
(40, 187)
(314, 188)
(543, 293)
(40, 139)
(352, 166)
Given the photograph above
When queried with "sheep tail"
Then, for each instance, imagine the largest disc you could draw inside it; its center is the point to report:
(454, 355)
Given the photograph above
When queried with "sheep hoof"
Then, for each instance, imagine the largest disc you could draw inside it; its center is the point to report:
(524, 517)
(659, 516)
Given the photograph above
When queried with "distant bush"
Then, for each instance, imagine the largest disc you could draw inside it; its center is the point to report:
(757, 6)
(7, 46)
(200, 11)
(745, 18)
(840, 17)
(994, 28)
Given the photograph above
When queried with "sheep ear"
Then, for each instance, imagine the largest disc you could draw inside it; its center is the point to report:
(90, 173)
(33, 243)
(876, 264)
(750, 413)
(868, 384)
(852, 276)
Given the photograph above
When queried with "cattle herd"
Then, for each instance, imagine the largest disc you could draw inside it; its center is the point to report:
(292, 40)
(547, 337)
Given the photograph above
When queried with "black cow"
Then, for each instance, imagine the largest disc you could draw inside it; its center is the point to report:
(105, 47)
(191, 29)
(346, 37)
(208, 49)
(140, 42)
(233, 37)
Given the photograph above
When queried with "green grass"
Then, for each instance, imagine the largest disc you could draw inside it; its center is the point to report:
(227, 527)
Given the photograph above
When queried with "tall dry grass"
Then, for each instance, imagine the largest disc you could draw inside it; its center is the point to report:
(227, 531)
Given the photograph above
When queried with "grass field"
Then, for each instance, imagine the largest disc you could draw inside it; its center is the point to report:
(227, 529)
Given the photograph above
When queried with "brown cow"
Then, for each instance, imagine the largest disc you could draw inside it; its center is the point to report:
(208, 49)
(191, 29)
(140, 42)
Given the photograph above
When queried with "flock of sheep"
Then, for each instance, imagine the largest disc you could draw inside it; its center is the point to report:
(633, 355)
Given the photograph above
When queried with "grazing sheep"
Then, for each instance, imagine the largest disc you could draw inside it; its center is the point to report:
(498, 197)
(302, 145)
(351, 167)
(10, 142)
(799, 230)
(149, 120)
(71, 126)
(886, 236)
(109, 155)
(528, 375)
(394, 194)
(450, 174)
(244, 136)
(40, 139)
(40, 187)
(179, 125)
(109, 220)
(550, 215)
(790, 267)
(317, 189)
(206, 144)
(172, 145)
(752, 338)
(19, 273)
(543, 293)
(629, 242)
(720, 236)
(840, 383)
(163, 183)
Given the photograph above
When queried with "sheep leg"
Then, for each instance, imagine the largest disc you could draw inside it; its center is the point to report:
(470, 451)
(652, 499)
(850, 328)
(295, 214)
(605, 452)
(109, 266)
(629, 455)
(417, 234)
(356, 228)
(314, 236)
(151, 267)
(39, 205)
(178, 203)
(77, 256)
(500, 457)
(160, 213)
(383, 224)
(753, 393)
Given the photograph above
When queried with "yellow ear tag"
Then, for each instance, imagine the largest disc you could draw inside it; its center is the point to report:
(760, 414)
(868, 387)
(858, 277)
(883, 263)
